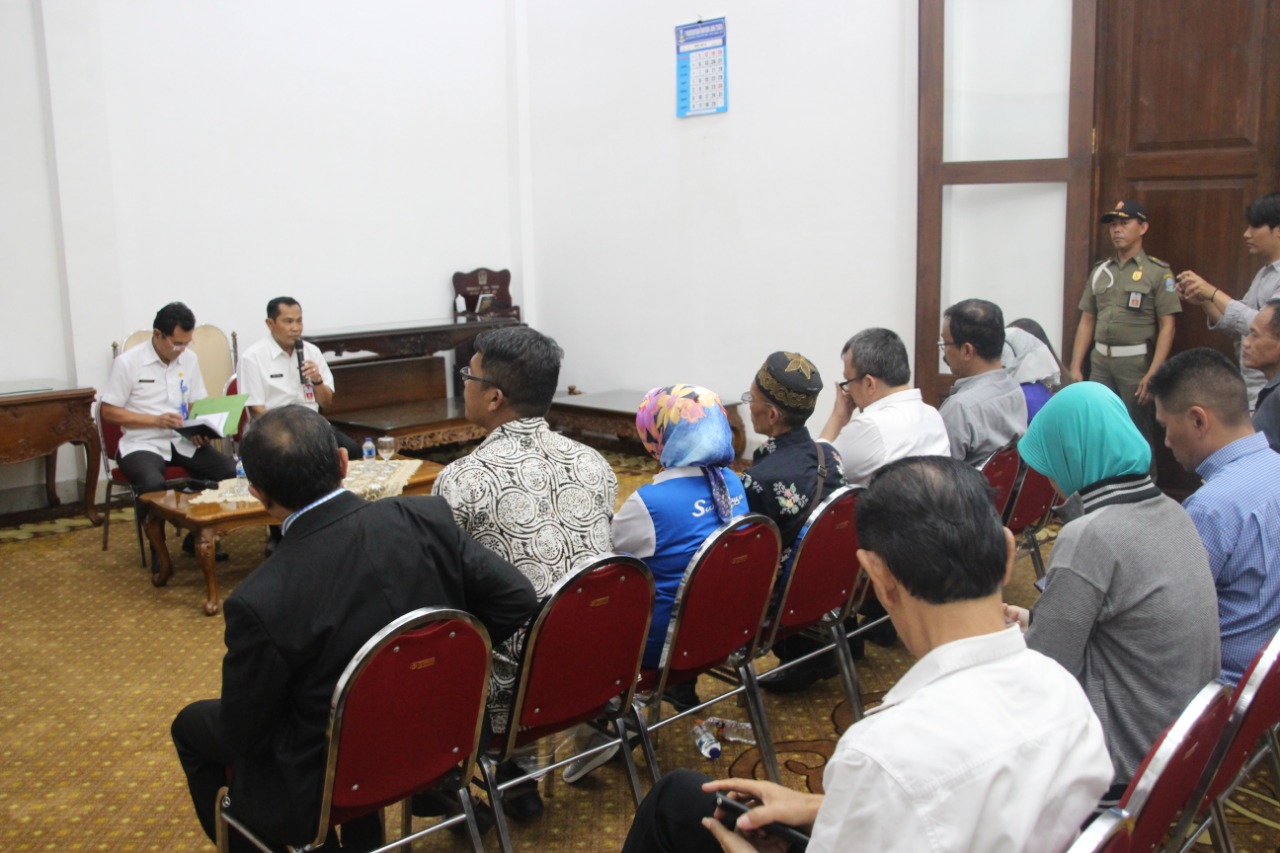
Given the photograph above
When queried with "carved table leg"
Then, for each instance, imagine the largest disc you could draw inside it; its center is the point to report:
(161, 565)
(207, 553)
(93, 463)
(51, 478)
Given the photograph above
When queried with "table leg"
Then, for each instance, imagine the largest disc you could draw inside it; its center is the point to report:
(161, 565)
(93, 459)
(207, 554)
(51, 478)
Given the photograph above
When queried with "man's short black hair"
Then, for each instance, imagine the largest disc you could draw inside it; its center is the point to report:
(525, 364)
(879, 353)
(1264, 211)
(273, 307)
(977, 322)
(175, 315)
(1202, 377)
(1274, 325)
(933, 522)
(291, 455)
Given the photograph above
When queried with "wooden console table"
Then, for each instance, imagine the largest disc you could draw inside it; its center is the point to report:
(614, 413)
(40, 415)
(209, 520)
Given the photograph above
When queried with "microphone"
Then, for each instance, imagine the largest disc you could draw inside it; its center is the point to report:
(297, 350)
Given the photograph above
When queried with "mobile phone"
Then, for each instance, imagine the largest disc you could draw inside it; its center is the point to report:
(734, 808)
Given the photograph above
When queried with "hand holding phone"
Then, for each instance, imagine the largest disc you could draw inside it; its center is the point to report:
(735, 808)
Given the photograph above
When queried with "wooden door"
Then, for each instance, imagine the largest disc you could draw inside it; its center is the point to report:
(1188, 122)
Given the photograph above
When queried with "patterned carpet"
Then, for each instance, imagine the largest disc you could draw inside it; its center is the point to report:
(97, 662)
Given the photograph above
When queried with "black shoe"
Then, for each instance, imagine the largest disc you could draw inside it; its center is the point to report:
(682, 696)
(799, 678)
(523, 802)
(440, 804)
(189, 547)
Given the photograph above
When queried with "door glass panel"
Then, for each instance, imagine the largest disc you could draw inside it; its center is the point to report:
(1007, 68)
(1004, 243)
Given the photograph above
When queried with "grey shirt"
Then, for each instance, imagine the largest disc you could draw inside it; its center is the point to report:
(1240, 313)
(1130, 609)
(1266, 418)
(983, 414)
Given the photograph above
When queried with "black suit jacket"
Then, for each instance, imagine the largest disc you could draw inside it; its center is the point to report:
(343, 571)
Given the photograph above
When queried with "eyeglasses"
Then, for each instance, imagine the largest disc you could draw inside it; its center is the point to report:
(468, 376)
(747, 397)
(844, 386)
(943, 343)
(177, 344)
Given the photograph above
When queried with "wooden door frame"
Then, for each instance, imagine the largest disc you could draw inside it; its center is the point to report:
(1076, 171)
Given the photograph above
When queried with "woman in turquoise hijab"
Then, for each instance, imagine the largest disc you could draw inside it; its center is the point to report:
(1129, 606)
(1085, 437)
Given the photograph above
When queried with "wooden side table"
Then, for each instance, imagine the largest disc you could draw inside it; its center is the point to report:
(40, 415)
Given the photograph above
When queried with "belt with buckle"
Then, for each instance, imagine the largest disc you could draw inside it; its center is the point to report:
(1121, 352)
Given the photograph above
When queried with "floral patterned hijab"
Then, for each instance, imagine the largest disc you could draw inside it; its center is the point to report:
(683, 425)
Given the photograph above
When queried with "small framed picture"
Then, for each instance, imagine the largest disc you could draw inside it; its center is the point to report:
(485, 303)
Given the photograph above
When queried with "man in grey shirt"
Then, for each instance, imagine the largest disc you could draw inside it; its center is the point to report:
(1260, 351)
(986, 409)
(1233, 316)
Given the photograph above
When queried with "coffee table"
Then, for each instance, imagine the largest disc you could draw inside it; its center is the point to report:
(209, 520)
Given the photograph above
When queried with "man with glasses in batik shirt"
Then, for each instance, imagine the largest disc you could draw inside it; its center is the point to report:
(541, 501)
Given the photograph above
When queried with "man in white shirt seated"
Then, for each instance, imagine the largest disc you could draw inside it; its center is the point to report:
(986, 409)
(272, 374)
(982, 745)
(892, 420)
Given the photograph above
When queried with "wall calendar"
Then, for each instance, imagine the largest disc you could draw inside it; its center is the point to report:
(702, 77)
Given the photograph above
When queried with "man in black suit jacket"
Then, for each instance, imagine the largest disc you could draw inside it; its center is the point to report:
(344, 569)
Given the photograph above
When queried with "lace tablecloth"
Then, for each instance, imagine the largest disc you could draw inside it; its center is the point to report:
(369, 480)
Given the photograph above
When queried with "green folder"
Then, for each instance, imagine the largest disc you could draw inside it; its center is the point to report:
(210, 417)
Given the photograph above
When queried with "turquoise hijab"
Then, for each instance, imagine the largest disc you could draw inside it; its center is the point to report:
(1082, 436)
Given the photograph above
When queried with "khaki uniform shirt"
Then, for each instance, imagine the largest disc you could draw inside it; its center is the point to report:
(1127, 298)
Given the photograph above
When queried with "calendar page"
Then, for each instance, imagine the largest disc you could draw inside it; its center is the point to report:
(702, 78)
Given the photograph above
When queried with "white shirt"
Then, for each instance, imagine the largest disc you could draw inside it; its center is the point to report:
(982, 745)
(141, 382)
(893, 427)
(270, 376)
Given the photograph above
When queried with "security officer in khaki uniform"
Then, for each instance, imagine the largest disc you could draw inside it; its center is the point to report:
(1127, 317)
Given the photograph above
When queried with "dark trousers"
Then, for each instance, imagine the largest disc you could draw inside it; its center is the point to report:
(352, 446)
(145, 469)
(205, 757)
(669, 819)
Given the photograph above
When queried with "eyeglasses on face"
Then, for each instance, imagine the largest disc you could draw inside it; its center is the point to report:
(468, 376)
(747, 397)
(844, 386)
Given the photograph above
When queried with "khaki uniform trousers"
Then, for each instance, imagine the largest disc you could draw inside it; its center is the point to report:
(1122, 375)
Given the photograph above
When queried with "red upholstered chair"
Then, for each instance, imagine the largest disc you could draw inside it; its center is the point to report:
(110, 435)
(1163, 785)
(819, 592)
(1250, 736)
(1109, 833)
(1028, 511)
(718, 612)
(579, 664)
(406, 712)
(230, 390)
(1001, 471)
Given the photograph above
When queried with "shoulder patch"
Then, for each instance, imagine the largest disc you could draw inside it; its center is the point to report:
(1168, 283)
(1157, 261)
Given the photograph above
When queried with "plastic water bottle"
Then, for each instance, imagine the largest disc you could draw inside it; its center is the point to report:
(242, 481)
(367, 449)
(732, 730)
(705, 741)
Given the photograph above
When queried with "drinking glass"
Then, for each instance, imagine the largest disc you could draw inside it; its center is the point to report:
(386, 448)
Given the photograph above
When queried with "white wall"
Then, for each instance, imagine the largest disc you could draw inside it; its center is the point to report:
(225, 151)
(686, 250)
